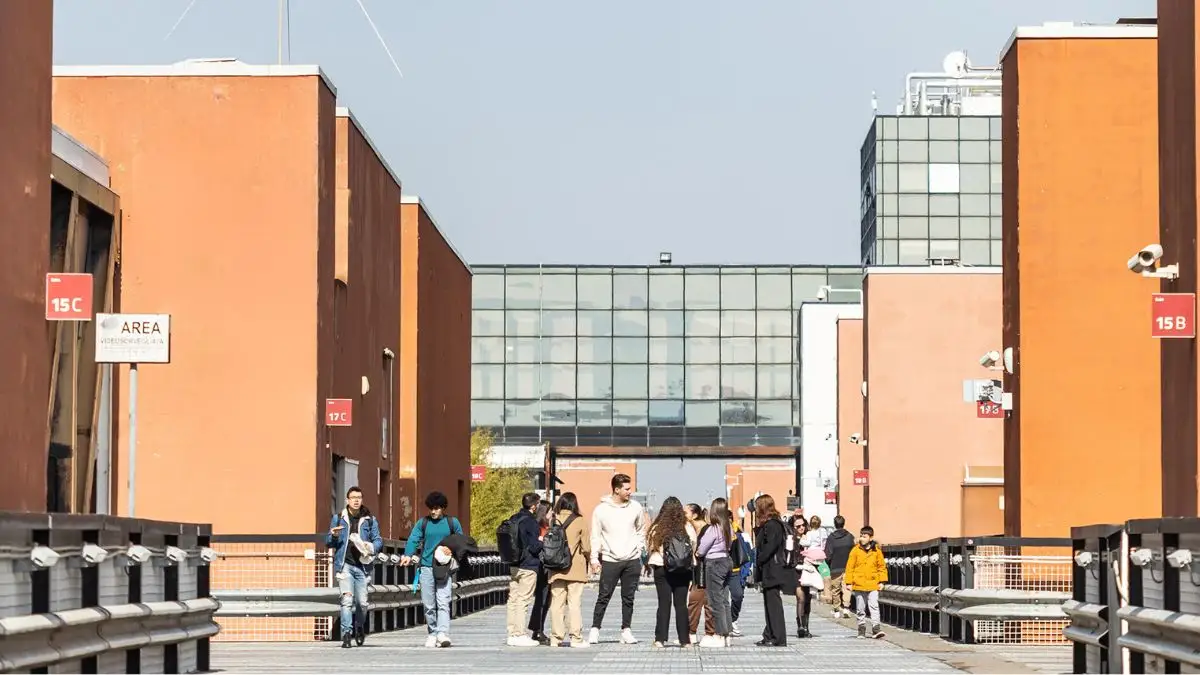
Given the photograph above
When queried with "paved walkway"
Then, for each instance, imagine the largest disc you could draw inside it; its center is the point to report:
(479, 648)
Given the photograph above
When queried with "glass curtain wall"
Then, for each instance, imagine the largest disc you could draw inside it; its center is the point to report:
(931, 190)
(641, 356)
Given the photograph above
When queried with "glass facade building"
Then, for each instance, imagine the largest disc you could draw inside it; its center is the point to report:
(931, 190)
(641, 356)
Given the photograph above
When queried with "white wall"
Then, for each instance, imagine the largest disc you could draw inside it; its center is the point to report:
(818, 403)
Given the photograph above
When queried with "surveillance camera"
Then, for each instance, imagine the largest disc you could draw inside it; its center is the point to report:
(1141, 557)
(93, 554)
(176, 555)
(854, 438)
(44, 556)
(1180, 558)
(394, 559)
(989, 359)
(1083, 558)
(1150, 254)
(208, 555)
(1146, 263)
(388, 353)
(138, 554)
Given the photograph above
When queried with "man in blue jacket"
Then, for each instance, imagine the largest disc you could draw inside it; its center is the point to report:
(523, 576)
(423, 542)
(354, 536)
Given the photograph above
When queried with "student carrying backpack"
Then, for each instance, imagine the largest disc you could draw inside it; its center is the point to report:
(556, 552)
(677, 553)
(508, 540)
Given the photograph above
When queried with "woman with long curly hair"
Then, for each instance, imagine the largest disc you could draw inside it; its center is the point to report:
(670, 529)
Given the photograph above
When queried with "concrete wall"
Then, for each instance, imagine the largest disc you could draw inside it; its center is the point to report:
(435, 368)
(1178, 212)
(229, 226)
(819, 404)
(1080, 197)
(924, 331)
(27, 36)
(849, 418)
(367, 305)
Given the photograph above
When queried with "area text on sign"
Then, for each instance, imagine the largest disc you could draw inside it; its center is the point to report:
(69, 297)
(1173, 315)
(133, 338)
(339, 412)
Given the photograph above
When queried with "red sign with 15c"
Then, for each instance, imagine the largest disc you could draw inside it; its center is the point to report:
(69, 297)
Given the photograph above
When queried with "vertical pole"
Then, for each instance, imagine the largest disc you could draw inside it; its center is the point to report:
(76, 507)
(280, 31)
(133, 397)
(104, 443)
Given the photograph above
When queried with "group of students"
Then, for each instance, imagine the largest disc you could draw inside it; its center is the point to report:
(700, 560)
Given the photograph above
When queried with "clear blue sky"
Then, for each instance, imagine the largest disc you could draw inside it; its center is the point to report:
(603, 132)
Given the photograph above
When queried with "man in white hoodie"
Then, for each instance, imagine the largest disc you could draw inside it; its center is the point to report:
(618, 542)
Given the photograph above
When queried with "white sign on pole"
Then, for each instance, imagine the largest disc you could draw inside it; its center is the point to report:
(133, 338)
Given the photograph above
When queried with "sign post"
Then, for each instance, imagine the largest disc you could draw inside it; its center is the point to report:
(339, 412)
(133, 339)
(1173, 315)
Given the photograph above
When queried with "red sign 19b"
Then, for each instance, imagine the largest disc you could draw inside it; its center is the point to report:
(339, 412)
(68, 297)
(1173, 315)
(862, 477)
(989, 410)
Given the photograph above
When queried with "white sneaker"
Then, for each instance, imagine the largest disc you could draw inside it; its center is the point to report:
(521, 641)
(627, 637)
(443, 640)
(581, 644)
(431, 641)
(658, 645)
(736, 632)
(695, 638)
(594, 635)
(712, 641)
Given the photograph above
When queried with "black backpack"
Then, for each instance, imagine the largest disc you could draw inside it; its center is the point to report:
(737, 554)
(508, 540)
(677, 553)
(556, 552)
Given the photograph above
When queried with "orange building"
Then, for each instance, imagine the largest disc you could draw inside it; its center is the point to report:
(747, 479)
(924, 330)
(275, 243)
(1178, 80)
(591, 479)
(850, 419)
(26, 33)
(1080, 197)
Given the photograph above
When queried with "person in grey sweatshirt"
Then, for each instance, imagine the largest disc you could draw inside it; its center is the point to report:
(618, 542)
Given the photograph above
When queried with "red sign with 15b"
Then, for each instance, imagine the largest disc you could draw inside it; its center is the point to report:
(68, 297)
(1173, 315)
(339, 412)
(989, 410)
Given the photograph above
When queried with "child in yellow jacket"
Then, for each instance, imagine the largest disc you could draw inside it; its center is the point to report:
(865, 571)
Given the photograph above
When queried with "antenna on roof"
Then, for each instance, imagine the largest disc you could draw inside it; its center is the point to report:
(179, 20)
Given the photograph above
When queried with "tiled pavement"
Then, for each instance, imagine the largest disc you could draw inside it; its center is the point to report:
(479, 648)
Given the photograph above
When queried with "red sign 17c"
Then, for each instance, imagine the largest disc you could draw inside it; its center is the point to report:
(1173, 315)
(339, 412)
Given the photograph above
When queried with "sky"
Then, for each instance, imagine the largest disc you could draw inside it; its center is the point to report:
(543, 131)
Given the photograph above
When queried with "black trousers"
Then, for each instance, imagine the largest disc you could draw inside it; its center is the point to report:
(541, 604)
(776, 630)
(628, 573)
(672, 588)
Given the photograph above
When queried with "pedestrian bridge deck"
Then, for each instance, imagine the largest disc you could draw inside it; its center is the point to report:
(479, 648)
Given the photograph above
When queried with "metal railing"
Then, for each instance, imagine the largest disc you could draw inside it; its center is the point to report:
(280, 588)
(1005, 590)
(82, 593)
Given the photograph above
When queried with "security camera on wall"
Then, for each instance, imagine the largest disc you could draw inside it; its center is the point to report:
(989, 359)
(1146, 263)
(855, 438)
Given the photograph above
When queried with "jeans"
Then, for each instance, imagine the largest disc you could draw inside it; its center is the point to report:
(737, 593)
(435, 596)
(629, 573)
(716, 587)
(352, 582)
(672, 588)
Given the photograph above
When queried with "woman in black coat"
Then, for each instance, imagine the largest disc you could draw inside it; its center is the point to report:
(772, 570)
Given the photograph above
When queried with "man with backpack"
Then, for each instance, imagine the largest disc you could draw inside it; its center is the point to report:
(433, 574)
(519, 540)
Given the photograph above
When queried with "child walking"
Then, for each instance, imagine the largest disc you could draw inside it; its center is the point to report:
(865, 571)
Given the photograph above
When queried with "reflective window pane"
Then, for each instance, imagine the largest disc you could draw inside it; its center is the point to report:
(667, 323)
(666, 291)
(666, 381)
(558, 322)
(630, 350)
(595, 349)
(522, 381)
(702, 324)
(775, 350)
(630, 381)
(737, 350)
(666, 413)
(630, 323)
(630, 413)
(773, 291)
(558, 414)
(703, 291)
(522, 291)
(522, 413)
(805, 287)
(703, 382)
(487, 350)
(737, 323)
(558, 291)
(558, 349)
(487, 291)
(702, 414)
(774, 382)
(737, 413)
(593, 322)
(487, 322)
(487, 381)
(594, 381)
(774, 413)
(487, 413)
(703, 350)
(522, 350)
(848, 280)
(666, 350)
(522, 322)
(737, 381)
(595, 291)
(737, 290)
(775, 324)
(558, 381)
(594, 413)
(630, 291)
